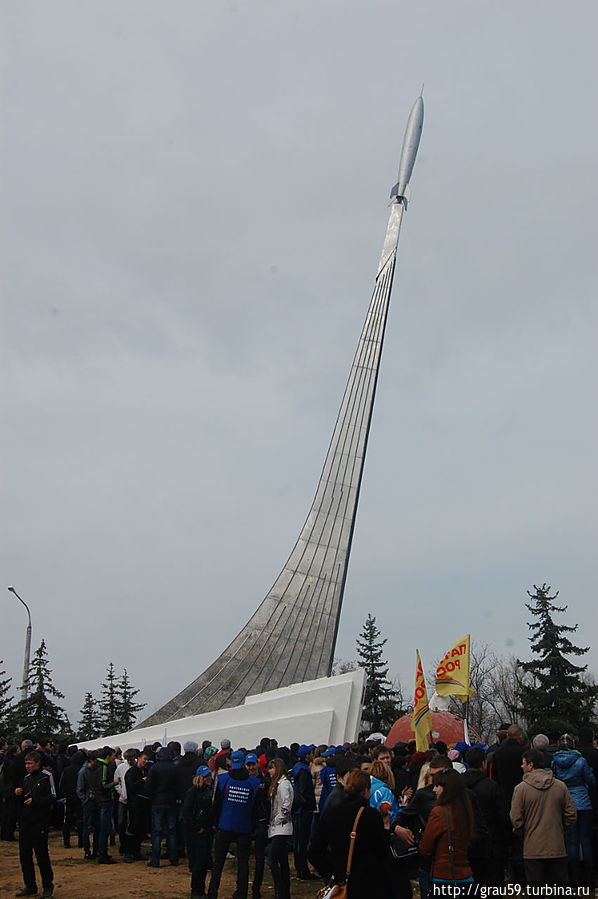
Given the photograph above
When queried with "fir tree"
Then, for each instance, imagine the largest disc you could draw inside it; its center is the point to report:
(561, 699)
(6, 702)
(109, 704)
(128, 708)
(90, 723)
(381, 706)
(38, 713)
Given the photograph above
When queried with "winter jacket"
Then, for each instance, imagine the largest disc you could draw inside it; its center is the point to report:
(571, 767)
(327, 784)
(281, 817)
(506, 766)
(36, 786)
(494, 811)
(161, 784)
(381, 792)
(86, 780)
(197, 814)
(434, 844)
(68, 779)
(329, 849)
(104, 780)
(542, 809)
(305, 796)
(185, 772)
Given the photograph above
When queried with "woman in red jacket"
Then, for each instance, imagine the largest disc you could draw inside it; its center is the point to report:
(449, 830)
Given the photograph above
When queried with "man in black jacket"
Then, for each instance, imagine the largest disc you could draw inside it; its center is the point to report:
(138, 807)
(487, 857)
(161, 787)
(37, 800)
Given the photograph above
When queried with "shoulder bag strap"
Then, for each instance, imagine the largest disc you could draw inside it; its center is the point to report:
(450, 842)
(352, 841)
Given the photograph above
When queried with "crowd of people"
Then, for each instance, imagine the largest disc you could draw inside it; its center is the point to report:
(374, 817)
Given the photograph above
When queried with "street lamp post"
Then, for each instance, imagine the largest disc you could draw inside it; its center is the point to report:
(24, 687)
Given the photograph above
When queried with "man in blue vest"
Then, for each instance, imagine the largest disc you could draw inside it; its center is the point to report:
(304, 805)
(327, 777)
(234, 805)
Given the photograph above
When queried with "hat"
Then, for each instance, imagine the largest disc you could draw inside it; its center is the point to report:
(203, 771)
(251, 758)
(303, 751)
(209, 751)
(237, 760)
(190, 746)
(225, 744)
(329, 752)
(461, 746)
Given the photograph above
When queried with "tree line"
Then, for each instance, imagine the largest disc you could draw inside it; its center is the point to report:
(547, 693)
(39, 713)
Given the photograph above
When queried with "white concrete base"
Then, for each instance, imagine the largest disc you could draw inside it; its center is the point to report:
(326, 710)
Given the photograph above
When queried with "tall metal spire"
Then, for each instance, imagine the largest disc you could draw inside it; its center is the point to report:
(291, 636)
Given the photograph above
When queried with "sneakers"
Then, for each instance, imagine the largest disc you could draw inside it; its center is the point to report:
(106, 860)
(27, 891)
(47, 893)
(153, 864)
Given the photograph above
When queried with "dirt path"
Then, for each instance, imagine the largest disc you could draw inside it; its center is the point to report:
(75, 878)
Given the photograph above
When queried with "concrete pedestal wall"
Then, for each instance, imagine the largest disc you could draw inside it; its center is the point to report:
(326, 710)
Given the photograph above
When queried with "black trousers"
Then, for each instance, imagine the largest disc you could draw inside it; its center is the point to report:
(34, 838)
(541, 871)
(222, 841)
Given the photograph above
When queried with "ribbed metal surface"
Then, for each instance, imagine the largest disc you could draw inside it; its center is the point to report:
(291, 636)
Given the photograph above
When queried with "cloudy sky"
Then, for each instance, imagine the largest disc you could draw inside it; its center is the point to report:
(194, 197)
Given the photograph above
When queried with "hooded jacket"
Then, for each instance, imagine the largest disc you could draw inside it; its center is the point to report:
(571, 767)
(161, 784)
(542, 809)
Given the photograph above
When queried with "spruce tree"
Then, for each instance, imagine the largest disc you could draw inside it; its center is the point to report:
(381, 706)
(128, 708)
(6, 702)
(90, 723)
(561, 699)
(38, 713)
(109, 703)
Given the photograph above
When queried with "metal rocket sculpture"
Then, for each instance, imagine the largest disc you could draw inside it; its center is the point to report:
(413, 132)
(290, 638)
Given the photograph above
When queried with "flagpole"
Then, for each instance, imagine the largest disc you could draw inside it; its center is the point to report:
(465, 725)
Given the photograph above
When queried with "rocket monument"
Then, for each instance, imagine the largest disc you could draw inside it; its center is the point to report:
(291, 636)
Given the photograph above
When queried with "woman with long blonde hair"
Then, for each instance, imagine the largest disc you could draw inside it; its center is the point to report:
(280, 794)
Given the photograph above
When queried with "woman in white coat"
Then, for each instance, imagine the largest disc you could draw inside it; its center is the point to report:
(280, 829)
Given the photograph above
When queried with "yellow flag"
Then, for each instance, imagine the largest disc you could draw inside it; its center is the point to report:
(452, 674)
(421, 721)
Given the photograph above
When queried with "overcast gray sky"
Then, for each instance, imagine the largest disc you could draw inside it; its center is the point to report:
(194, 198)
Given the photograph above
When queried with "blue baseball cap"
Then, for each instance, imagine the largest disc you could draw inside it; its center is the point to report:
(203, 771)
(237, 760)
(251, 758)
(329, 752)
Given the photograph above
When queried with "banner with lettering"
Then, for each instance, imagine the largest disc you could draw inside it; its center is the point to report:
(421, 720)
(452, 674)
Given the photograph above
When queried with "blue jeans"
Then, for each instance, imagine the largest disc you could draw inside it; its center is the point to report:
(581, 835)
(278, 861)
(164, 816)
(104, 826)
(90, 825)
